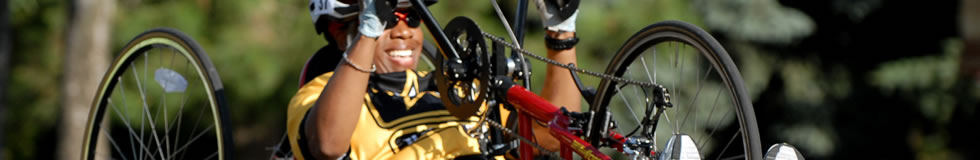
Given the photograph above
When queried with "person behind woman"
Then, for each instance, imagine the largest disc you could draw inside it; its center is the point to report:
(334, 19)
(376, 106)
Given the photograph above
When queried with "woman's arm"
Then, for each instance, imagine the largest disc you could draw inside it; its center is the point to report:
(559, 88)
(330, 125)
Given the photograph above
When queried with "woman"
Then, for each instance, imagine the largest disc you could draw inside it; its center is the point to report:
(376, 106)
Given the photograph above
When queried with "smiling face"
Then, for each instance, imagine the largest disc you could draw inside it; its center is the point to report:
(399, 48)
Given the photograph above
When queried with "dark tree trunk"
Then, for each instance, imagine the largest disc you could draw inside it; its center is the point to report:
(4, 65)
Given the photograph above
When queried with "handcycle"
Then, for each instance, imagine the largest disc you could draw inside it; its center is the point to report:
(470, 72)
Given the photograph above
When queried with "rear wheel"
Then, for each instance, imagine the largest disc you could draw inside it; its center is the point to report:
(709, 100)
(160, 99)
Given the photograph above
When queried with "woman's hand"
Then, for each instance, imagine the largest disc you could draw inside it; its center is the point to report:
(552, 20)
(371, 25)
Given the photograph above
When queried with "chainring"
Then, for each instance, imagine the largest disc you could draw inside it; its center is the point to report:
(462, 79)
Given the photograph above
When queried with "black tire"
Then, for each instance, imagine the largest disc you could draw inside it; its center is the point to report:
(197, 71)
(725, 72)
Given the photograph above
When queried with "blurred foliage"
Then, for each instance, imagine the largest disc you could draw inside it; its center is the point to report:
(763, 21)
(32, 96)
(259, 47)
(832, 82)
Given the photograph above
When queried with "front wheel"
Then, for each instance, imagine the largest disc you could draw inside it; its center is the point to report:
(706, 89)
(160, 99)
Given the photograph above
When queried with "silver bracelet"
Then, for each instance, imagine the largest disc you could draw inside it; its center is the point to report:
(358, 68)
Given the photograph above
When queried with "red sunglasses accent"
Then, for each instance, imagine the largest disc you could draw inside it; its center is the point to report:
(401, 16)
(406, 16)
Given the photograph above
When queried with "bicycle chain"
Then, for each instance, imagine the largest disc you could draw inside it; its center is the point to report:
(576, 69)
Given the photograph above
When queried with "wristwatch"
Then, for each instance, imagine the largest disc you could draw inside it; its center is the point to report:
(560, 44)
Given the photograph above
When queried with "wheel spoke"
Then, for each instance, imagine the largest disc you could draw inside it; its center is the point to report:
(654, 64)
(111, 140)
(199, 115)
(180, 111)
(697, 63)
(680, 70)
(142, 92)
(718, 123)
(182, 148)
(146, 108)
(729, 143)
(122, 88)
(628, 106)
(142, 115)
(166, 121)
(153, 123)
(212, 155)
(694, 100)
(667, 117)
(132, 133)
(275, 149)
(647, 69)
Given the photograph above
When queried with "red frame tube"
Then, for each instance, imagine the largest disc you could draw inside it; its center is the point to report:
(524, 122)
(529, 106)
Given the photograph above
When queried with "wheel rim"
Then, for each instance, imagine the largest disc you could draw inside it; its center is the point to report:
(703, 91)
(160, 100)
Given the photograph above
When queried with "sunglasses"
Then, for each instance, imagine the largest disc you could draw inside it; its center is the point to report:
(410, 18)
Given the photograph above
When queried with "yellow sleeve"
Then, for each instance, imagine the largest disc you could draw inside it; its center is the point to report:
(299, 105)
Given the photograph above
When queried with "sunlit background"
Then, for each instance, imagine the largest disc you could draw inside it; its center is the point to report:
(840, 79)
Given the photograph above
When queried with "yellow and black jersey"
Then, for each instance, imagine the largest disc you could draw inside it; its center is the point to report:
(402, 118)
